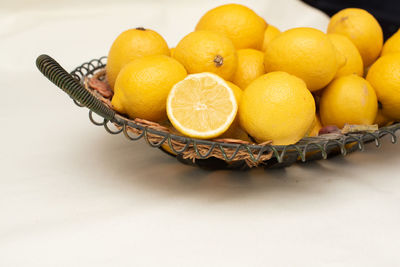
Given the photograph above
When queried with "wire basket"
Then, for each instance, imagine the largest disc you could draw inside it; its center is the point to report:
(214, 154)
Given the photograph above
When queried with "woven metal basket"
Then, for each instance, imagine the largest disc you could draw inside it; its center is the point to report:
(212, 154)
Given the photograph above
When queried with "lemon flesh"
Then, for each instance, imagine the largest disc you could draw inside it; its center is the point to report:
(201, 106)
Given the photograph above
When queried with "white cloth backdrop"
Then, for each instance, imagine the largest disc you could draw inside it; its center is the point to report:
(73, 195)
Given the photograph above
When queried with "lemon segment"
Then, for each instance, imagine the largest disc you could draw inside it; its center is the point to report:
(201, 106)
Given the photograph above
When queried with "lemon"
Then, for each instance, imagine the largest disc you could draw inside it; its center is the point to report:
(354, 63)
(236, 91)
(392, 45)
(132, 44)
(384, 76)
(142, 86)
(348, 99)
(306, 53)
(239, 23)
(201, 106)
(250, 65)
(362, 29)
(206, 51)
(270, 33)
(235, 131)
(165, 146)
(172, 51)
(316, 126)
(277, 106)
(381, 119)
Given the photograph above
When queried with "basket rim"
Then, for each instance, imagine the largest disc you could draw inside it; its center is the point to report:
(303, 146)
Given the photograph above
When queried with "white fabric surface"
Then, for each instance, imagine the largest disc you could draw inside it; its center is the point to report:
(73, 195)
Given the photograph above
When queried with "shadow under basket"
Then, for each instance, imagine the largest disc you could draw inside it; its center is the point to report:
(209, 154)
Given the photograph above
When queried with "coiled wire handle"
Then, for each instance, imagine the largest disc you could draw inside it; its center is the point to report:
(60, 77)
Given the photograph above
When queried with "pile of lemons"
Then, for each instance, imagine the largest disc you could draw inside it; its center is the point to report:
(235, 76)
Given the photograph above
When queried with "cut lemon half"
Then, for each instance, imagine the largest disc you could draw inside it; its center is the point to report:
(201, 106)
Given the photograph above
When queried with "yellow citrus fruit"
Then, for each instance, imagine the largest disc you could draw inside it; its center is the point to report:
(206, 51)
(235, 131)
(270, 33)
(316, 126)
(130, 45)
(142, 86)
(354, 63)
(348, 99)
(250, 65)
(392, 45)
(201, 106)
(382, 120)
(306, 53)
(238, 96)
(277, 106)
(165, 146)
(384, 76)
(172, 51)
(362, 29)
(236, 91)
(239, 23)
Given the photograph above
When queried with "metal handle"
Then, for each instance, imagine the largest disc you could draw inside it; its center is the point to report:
(60, 77)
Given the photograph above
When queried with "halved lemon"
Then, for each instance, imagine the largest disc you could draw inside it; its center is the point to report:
(201, 106)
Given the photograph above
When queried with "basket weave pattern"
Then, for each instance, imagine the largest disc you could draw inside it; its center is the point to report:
(97, 86)
(77, 85)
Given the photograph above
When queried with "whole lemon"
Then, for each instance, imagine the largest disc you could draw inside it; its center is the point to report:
(362, 29)
(354, 63)
(277, 106)
(172, 51)
(381, 119)
(238, 96)
(236, 91)
(384, 76)
(235, 131)
(250, 65)
(239, 23)
(270, 33)
(316, 126)
(348, 99)
(142, 86)
(206, 51)
(392, 45)
(306, 53)
(132, 44)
